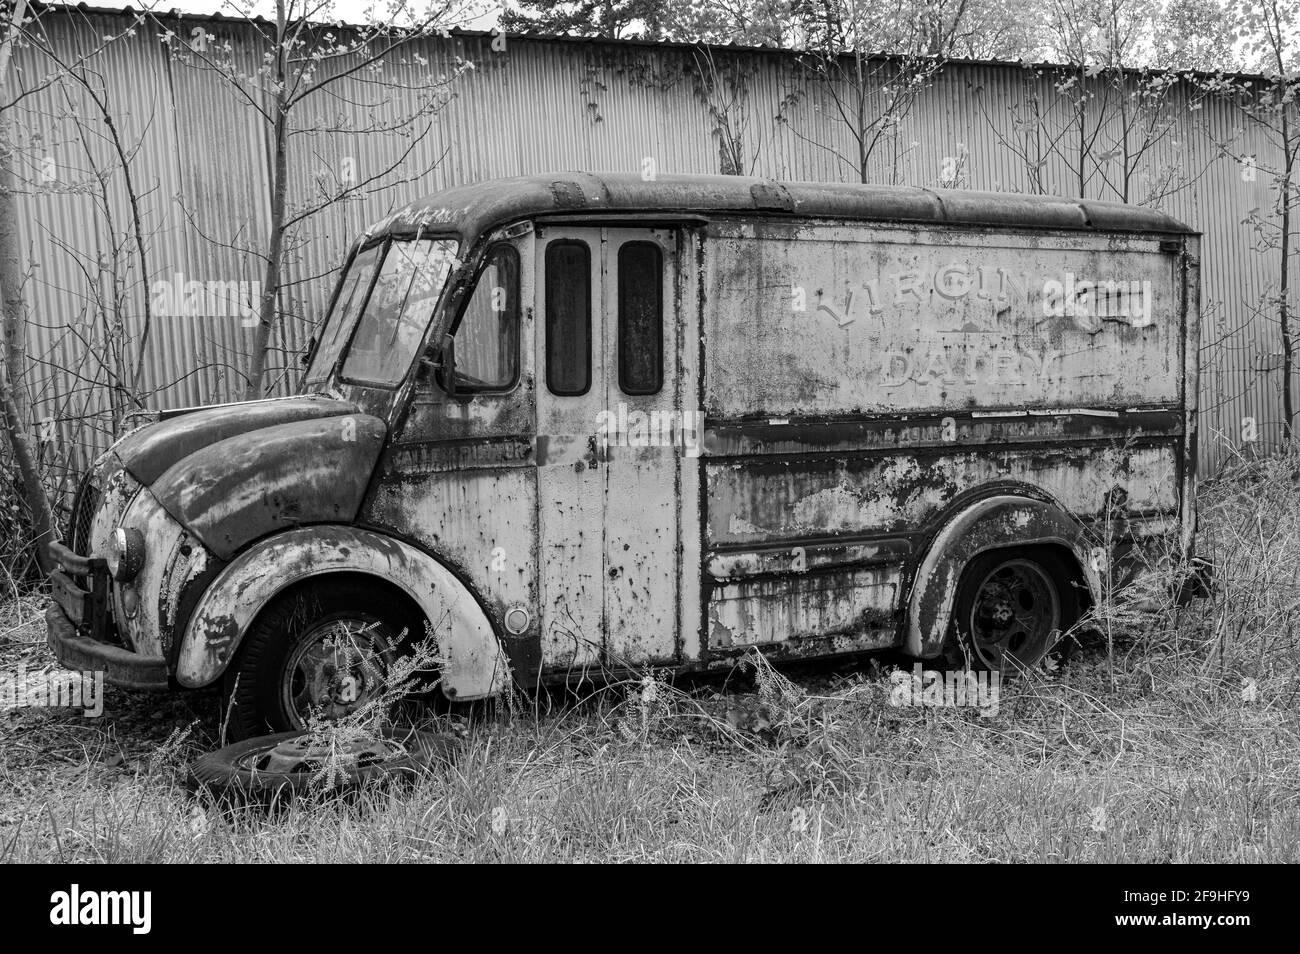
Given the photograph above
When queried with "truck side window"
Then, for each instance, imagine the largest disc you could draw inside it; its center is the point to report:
(487, 337)
(640, 318)
(568, 317)
(356, 285)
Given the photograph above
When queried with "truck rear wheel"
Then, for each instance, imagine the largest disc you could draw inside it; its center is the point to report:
(1012, 607)
(325, 648)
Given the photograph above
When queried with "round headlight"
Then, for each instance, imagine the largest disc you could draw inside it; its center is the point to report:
(125, 553)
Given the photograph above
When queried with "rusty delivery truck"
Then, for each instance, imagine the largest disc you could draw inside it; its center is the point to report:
(580, 424)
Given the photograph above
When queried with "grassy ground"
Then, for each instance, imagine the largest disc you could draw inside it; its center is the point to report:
(1173, 740)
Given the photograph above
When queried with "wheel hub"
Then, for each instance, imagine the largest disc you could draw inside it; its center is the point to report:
(1001, 614)
(1014, 615)
(300, 755)
(335, 668)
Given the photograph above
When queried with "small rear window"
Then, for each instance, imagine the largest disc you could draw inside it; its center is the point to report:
(568, 317)
(640, 318)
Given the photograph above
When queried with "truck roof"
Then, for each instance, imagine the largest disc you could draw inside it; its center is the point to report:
(473, 209)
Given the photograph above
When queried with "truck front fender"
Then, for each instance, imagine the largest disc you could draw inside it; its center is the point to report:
(474, 665)
(988, 524)
(262, 481)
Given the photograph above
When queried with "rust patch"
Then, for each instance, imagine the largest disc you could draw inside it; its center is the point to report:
(246, 487)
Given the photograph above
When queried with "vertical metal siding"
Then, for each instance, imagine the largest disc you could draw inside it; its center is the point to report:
(200, 157)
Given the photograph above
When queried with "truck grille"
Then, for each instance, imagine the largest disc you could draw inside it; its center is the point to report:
(83, 515)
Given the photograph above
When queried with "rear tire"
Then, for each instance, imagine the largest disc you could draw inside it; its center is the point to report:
(1011, 608)
(324, 647)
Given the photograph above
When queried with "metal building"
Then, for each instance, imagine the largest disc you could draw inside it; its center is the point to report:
(198, 152)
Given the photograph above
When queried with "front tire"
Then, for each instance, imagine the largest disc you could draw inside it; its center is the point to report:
(322, 648)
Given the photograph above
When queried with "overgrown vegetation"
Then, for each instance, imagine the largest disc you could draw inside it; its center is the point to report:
(1178, 740)
(18, 567)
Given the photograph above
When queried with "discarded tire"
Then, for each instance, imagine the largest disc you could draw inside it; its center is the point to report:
(270, 768)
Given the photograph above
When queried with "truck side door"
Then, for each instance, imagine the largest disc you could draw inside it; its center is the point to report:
(618, 435)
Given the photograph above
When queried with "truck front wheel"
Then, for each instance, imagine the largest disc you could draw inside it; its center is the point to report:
(324, 648)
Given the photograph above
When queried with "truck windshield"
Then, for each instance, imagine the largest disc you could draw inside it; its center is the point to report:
(383, 310)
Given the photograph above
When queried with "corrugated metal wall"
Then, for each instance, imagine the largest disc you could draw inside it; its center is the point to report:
(198, 157)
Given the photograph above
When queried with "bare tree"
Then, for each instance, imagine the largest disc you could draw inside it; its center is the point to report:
(722, 85)
(117, 275)
(13, 369)
(1266, 32)
(90, 374)
(1105, 113)
(863, 93)
(313, 77)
